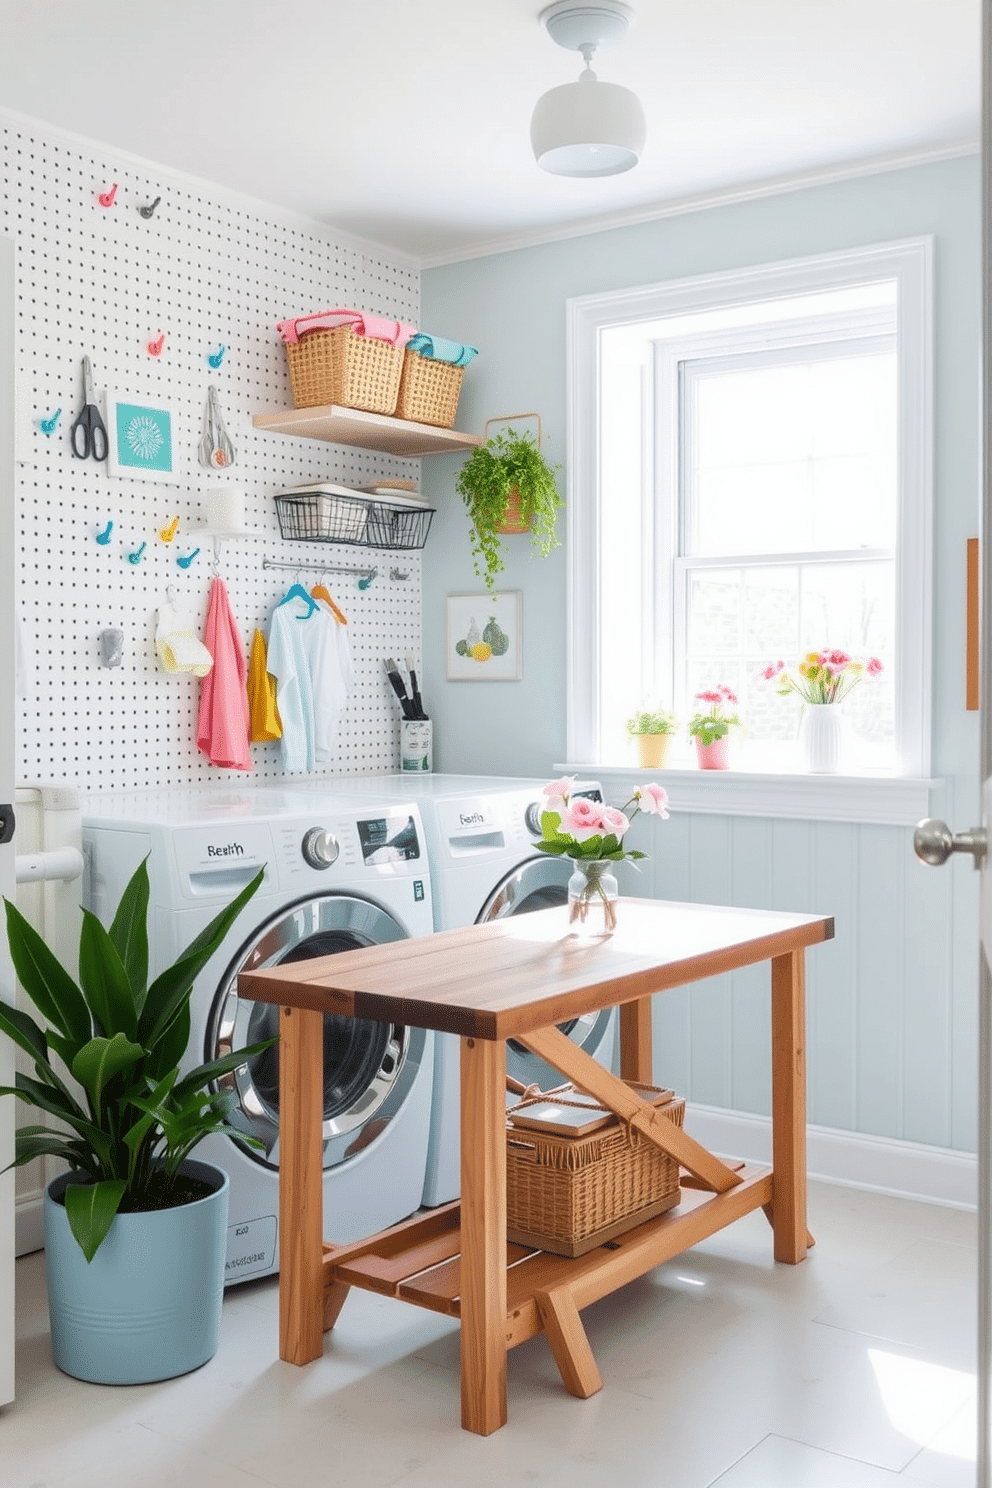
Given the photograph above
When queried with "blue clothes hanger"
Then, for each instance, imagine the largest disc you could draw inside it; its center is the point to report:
(297, 591)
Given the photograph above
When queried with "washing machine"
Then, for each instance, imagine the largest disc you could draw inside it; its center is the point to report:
(480, 833)
(340, 873)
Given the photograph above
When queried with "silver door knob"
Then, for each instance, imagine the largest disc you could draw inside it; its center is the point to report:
(320, 848)
(933, 842)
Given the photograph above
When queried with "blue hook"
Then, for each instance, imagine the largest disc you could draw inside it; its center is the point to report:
(185, 562)
(364, 583)
(136, 557)
(216, 357)
(104, 536)
(47, 426)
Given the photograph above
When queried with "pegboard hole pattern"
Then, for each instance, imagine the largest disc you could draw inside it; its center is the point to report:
(206, 272)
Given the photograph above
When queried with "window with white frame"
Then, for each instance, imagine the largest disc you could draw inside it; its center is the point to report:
(750, 481)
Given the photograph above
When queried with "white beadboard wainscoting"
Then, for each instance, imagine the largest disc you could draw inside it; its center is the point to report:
(891, 1000)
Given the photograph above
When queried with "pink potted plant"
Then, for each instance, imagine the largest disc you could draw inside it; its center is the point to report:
(710, 727)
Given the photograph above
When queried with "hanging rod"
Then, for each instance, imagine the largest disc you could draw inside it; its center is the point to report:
(368, 573)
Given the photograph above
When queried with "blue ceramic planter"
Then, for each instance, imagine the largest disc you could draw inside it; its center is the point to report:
(148, 1305)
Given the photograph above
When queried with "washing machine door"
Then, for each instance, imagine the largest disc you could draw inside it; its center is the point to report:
(542, 883)
(369, 1067)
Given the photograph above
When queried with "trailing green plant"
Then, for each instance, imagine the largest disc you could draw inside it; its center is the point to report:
(506, 462)
(122, 1041)
(648, 721)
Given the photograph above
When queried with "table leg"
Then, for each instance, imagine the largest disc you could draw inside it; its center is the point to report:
(789, 1107)
(635, 1041)
(483, 1234)
(301, 1185)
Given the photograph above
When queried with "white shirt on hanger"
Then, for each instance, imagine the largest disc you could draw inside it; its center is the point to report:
(289, 662)
(331, 678)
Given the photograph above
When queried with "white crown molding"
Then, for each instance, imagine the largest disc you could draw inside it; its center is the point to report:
(905, 1170)
(704, 201)
(55, 134)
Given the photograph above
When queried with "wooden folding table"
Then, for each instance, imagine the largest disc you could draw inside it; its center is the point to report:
(518, 978)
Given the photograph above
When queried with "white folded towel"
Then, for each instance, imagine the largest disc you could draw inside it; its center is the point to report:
(179, 648)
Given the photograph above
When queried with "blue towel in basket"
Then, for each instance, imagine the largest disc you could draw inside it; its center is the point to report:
(440, 349)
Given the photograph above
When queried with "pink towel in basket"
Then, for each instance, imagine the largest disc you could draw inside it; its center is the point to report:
(223, 727)
(375, 326)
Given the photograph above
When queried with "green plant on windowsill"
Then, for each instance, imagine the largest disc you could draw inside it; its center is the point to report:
(508, 465)
(648, 721)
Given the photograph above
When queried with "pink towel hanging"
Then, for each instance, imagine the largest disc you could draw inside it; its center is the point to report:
(223, 727)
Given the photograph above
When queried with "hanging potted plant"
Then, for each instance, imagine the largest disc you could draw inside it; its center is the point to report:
(135, 1231)
(652, 730)
(508, 486)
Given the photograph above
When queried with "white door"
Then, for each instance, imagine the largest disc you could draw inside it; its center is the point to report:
(935, 842)
(6, 798)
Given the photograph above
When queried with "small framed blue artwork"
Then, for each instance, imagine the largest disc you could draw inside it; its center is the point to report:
(141, 436)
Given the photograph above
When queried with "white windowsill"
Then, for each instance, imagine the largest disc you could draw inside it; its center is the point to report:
(877, 799)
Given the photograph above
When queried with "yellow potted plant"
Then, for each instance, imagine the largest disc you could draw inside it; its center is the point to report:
(652, 730)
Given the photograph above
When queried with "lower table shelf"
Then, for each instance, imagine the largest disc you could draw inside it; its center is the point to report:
(419, 1261)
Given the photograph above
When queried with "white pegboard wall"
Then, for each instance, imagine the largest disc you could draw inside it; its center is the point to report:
(206, 272)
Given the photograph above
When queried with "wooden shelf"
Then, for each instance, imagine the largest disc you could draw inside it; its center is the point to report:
(374, 431)
(419, 1260)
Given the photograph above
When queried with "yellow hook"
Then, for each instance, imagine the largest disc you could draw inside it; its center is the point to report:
(168, 533)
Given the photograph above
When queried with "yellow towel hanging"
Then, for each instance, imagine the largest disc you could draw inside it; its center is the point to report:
(264, 714)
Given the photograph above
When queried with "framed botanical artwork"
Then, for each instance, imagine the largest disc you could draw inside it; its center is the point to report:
(141, 439)
(484, 640)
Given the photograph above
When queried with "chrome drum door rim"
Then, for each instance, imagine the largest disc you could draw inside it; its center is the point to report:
(397, 1060)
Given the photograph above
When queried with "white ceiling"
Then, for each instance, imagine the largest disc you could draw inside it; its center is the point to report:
(406, 122)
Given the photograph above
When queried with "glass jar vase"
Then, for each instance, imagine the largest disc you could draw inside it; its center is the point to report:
(592, 897)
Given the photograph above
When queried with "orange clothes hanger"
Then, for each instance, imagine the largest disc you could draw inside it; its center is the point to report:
(320, 591)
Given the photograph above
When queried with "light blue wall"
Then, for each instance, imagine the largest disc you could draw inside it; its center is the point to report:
(892, 1000)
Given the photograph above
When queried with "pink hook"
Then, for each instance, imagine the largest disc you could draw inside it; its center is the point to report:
(155, 347)
(106, 198)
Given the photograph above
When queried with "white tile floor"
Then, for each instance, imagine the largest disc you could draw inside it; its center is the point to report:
(853, 1370)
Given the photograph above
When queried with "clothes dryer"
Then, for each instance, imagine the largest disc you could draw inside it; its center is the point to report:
(340, 873)
(480, 833)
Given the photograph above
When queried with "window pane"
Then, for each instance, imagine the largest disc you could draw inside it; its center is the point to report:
(714, 613)
(742, 619)
(771, 610)
(796, 457)
(850, 606)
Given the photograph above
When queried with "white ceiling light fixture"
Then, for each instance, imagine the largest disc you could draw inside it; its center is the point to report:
(587, 128)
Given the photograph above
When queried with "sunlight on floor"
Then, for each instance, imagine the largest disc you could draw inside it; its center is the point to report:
(920, 1397)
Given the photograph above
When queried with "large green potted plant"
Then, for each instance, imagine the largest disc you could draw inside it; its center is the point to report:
(135, 1231)
(505, 472)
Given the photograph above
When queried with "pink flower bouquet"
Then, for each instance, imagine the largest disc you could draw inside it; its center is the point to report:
(575, 827)
(822, 676)
(592, 834)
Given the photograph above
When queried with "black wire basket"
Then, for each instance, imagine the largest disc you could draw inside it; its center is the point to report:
(321, 516)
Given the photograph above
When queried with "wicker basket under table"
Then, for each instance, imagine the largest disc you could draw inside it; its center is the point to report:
(429, 390)
(569, 1194)
(337, 366)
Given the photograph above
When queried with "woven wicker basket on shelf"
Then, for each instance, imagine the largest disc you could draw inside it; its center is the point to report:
(569, 1194)
(429, 390)
(336, 366)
